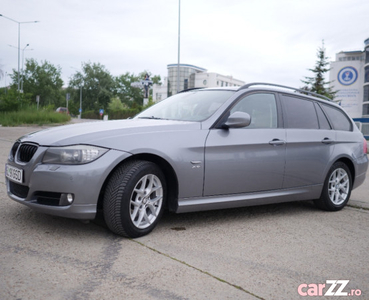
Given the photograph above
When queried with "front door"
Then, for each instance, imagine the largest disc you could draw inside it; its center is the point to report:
(250, 159)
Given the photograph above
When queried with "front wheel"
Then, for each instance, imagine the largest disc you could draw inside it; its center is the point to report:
(337, 188)
(134, 198)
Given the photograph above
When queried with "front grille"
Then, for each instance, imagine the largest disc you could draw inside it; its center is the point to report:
(14, 150)
(26, 152)
(18, 190)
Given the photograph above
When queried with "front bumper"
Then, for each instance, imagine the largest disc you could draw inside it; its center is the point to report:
(46, 186)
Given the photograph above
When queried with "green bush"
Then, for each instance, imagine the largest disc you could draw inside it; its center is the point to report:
(113, 114)
(16, 118)
(10, 100)
(123, 114)
(91, 114)
(7, 104)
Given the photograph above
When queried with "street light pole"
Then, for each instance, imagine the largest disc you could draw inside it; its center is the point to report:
(80, 102)
(179, 42)
(23, 55)
(19, 23)
(23, 65)
(21, 88)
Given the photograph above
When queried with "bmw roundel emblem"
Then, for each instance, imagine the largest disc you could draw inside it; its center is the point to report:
(347, 75)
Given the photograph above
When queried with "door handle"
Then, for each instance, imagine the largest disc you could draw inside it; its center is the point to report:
(277, 142)
(327, 141)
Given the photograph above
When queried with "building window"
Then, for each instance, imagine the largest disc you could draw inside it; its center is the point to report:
(366, 93)
(169, 90)
(185, 84)
(366, 109)
(366, 79)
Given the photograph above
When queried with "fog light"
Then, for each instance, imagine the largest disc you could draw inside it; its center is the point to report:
(70, 198)
(66, 199)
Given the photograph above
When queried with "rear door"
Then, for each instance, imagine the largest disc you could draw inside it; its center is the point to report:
(310, 142)
(250, 159)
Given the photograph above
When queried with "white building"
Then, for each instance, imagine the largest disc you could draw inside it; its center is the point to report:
(349, 75)
(190, 77)
(160, 91)
(215, 80)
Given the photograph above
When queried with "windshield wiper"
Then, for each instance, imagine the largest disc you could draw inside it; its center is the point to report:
(151, 118)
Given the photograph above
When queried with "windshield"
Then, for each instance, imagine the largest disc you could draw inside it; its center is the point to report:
(196, 105)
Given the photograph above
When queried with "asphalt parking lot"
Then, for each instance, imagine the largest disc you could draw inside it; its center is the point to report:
(284, 251)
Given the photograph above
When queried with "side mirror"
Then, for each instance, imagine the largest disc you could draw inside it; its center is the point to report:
(237, 120)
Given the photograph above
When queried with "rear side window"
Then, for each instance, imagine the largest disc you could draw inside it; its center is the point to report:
(338, 118)
(299, 113)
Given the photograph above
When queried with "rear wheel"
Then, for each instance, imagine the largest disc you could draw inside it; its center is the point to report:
(337, 188)
(134, 198)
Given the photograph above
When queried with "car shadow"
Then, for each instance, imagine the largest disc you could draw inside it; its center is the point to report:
(47, 224)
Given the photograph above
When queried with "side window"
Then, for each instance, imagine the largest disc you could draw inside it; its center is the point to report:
(299, 113)
(261, 107)
(323, 122)
(338, 118)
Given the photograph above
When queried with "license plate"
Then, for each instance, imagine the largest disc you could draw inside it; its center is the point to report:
(14, 174)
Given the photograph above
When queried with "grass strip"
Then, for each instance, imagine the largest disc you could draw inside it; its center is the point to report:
(17, 118)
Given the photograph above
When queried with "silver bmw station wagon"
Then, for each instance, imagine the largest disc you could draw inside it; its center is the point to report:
(201, 149)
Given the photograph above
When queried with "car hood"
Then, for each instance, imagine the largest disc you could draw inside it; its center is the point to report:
(110, 134)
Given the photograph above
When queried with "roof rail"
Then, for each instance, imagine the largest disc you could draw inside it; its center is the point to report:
(246, 86)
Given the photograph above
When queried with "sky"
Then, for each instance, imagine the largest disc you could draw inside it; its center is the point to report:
(253, 41)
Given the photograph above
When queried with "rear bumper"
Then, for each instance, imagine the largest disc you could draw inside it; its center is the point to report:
(361, 170)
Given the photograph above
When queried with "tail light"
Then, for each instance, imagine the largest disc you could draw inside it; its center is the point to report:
(365, 146)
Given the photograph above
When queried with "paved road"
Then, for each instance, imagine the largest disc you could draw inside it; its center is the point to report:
(262, 252)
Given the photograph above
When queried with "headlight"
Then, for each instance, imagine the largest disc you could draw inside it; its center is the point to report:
(73, 155)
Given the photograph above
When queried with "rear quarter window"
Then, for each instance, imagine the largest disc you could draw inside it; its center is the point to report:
(338, 118)
(323, 122)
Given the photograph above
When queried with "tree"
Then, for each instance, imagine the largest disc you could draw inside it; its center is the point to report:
(317, 84)
(9, 100)
(97, 86)
(43, 80)
(132, 96)
(115, 104)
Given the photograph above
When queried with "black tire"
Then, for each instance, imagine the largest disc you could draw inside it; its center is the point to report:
(337, 188)
(144, 184)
